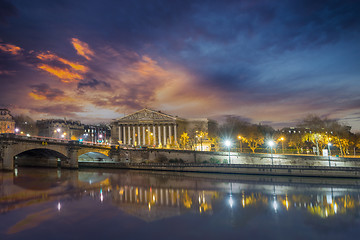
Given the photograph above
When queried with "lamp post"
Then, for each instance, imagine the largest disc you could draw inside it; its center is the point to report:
(271, 144)
(282, 144)
(240, 140)
(329, 144)
(228, 144)
(58, 130)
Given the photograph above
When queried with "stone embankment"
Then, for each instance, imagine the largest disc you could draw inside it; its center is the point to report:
(303, 171)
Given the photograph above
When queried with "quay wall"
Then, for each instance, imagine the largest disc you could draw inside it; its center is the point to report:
(178, 156)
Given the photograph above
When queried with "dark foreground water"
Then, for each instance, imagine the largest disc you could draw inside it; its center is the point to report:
(115, 204)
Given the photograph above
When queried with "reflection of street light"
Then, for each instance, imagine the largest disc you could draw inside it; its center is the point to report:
(275, 205)
(231, 201)
(271, 144)
(240, 140)
(228, 144)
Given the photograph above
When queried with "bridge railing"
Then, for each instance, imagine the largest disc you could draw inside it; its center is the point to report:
(46, 139)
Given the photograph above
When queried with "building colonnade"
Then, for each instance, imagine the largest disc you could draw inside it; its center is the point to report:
(148, 134)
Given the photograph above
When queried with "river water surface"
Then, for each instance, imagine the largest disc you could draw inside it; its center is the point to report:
(115, 204)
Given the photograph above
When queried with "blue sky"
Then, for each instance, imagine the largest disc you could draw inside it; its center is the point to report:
(268, 61)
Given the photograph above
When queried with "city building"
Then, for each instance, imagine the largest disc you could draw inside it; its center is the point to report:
(100, 133)
(60, 128)
(7, 123)
(156, 129)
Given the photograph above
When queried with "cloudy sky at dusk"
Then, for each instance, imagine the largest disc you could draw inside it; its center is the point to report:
(266, 61)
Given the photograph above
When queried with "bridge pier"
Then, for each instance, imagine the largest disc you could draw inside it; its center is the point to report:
(7, 156)
(73, 157)
(114, 153)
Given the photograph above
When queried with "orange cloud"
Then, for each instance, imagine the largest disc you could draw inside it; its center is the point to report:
(149, 68)
(82, 48)
(9, 48)
(66, 75)
(37, 96)
(53, 57)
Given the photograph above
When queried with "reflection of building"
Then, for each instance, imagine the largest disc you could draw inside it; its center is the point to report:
(60, 128)
(7, 123)
(151, 204)
(154, 128)
(97, 133)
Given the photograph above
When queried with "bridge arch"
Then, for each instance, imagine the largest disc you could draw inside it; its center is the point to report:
(85, 150)
(93, 157)
(28, 147)
(40, 157)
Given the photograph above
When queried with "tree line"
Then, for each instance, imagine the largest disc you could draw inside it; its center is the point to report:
(312, 134)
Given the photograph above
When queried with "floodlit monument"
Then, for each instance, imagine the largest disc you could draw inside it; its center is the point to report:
(154, 128)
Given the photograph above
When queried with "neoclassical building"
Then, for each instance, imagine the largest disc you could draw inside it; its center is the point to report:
(154, 128)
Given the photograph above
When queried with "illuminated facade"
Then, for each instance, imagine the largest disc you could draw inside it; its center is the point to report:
(7, 123)
(154, 128)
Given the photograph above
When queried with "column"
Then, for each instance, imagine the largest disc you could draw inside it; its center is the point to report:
(143, 135)
(119, 134)
(124, 135)
(138, 133)
(129, 135)
(175, 134)
(164, 136)
(148, 128)
(159, 134)
(154, 134)
(170, 134)
(134, 139)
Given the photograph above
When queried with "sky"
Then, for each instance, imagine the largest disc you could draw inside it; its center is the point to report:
(269, 62)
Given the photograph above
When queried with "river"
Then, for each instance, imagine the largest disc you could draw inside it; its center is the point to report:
(39, 203)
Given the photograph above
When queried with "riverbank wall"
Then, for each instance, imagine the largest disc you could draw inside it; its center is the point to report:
(251, 169)
(179, 156)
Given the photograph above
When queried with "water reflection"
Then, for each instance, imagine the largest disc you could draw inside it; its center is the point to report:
(38, 196)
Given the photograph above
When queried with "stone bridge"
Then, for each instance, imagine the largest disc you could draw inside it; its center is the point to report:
(12, 145)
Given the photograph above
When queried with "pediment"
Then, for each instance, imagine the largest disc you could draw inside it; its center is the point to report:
(147, 114)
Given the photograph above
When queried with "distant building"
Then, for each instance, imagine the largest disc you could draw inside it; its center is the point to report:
(60, 128)
(7, 123)
(156, 129)
(99, 133)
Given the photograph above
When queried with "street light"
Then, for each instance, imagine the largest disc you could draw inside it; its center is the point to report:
(240, 140)
(271, 144)
(17, 130)
(228, 144)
